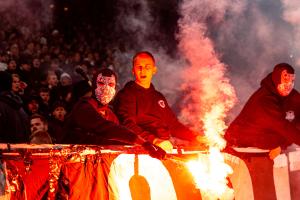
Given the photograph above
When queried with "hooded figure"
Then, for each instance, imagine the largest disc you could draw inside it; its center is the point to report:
(92, 122)
(268, 119)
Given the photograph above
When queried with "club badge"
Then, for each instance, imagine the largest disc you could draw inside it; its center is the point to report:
(290, 115)
(161, 103)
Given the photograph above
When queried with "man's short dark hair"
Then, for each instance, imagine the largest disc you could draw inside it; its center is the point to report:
(105, 72)
(44, 89)
(143, 53)
(35, 116)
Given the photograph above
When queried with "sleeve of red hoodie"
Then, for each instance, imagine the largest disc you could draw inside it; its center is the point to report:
(125, 109)
(88, 119)
(177, 128)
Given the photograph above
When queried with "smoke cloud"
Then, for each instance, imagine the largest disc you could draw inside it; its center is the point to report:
(29, 16)
(208, 92)
(251, 42)
(291, 14)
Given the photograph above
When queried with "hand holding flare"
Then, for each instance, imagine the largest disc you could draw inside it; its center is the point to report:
(164, 144)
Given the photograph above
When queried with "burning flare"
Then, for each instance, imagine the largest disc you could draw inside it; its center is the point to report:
(209, 97)
(210, 174)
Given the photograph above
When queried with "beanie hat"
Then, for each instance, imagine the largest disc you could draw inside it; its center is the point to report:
(276, 74)
(65, 75)
(5, 81)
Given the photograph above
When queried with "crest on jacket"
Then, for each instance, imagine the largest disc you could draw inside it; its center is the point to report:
(161, 103)
(290, 115)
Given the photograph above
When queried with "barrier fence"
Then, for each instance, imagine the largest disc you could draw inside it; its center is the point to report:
(126, 172)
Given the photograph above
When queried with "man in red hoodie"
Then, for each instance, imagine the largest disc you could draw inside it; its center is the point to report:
(145, 111)
(268, 121)
(269, 118)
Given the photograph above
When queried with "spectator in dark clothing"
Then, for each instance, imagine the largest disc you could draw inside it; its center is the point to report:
(145, 111)
(44, 94)
(32, 104)
(56, 122)
(14, 122)
(25, 71)
(11, 66)
(266, 120)
(39, 130)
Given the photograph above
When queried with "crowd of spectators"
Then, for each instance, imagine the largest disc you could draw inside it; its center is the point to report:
(47, 69)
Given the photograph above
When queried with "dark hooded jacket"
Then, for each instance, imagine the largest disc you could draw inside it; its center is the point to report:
(14, 122)
(267, 120)
(147, 113)
(87, 125)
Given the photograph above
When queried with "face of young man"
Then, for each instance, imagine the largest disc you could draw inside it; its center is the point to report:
(45, 96)
(15, 84)
(59, 113)
(52, 80)
(26, 67)
(37, 125)
(33, 106)
(143, 69)
(287, 83)
(12, 65)
(36, 63)
(66, 81)
(106, 88)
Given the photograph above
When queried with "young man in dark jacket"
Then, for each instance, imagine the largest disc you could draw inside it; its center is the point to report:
(91, 121)
(145, 111)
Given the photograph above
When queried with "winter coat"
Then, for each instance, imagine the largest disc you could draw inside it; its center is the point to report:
(147, 113)
(14, 122)
(267, 120)
(55, 127)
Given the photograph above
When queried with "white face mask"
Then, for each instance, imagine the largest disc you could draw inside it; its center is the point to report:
(287, 83)
(106, 89)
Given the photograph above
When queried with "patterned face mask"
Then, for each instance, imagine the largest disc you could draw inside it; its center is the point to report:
(106, 89)
(287, 83)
